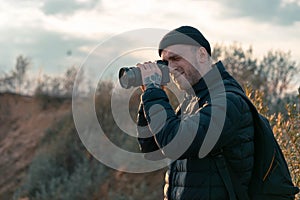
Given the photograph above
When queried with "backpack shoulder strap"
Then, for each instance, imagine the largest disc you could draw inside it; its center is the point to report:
(243, 95)
(231, 182)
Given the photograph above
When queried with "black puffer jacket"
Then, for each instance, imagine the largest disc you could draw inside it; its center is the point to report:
(193, 129)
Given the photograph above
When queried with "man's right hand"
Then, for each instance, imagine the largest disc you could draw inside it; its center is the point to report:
(151, 75)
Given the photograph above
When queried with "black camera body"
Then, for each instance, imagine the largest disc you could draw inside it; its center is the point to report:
(132, 77)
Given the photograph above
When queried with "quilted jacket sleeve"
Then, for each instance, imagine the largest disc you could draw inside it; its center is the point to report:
(145, 137)
(182, 137)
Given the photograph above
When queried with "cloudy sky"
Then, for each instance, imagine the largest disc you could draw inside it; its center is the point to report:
(56, 34)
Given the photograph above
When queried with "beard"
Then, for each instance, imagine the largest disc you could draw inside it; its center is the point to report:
(182, 82)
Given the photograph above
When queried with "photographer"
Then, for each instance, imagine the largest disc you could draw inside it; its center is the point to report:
(208, 121)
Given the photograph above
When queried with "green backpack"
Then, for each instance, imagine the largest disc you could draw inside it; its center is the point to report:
(271, 178)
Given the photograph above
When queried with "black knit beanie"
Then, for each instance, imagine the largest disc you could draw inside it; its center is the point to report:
(184, 35)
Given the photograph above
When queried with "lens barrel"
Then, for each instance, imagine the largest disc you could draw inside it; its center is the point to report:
(132, 77)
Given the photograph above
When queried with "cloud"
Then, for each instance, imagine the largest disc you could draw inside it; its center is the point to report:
(274, 11)
(46, 49)
(67, 7)
(53, 52)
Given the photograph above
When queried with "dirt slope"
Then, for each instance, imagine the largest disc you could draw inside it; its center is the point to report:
(23, 122)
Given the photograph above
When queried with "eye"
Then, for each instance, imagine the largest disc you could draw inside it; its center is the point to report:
(176, 58)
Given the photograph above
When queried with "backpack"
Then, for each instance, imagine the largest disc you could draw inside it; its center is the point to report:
(271, 178)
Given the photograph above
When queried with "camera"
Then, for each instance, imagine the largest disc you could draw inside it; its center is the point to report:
(132, 77)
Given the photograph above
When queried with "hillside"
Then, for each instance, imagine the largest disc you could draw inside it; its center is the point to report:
(25, 121)
(23, 124)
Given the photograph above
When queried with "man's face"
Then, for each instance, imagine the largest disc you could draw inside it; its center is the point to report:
(183, 65)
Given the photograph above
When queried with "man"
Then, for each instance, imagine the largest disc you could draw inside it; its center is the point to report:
(210, 124)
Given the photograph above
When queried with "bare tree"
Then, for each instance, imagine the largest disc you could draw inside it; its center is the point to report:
(278, 71)
(273, 75)
(69, 80)
(15, 80)
(239, 62)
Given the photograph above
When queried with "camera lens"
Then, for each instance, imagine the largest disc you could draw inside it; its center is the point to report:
(131, 76)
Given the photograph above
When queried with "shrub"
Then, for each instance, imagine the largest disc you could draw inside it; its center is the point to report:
(62, 169)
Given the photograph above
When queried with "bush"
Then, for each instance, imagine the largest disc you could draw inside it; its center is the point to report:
(62, 169)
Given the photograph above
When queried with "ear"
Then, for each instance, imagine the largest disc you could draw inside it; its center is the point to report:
(202, 55)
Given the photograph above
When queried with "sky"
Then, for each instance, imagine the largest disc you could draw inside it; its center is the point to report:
(57, 34)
